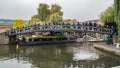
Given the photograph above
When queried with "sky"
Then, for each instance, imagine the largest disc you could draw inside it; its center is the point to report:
(81, 10)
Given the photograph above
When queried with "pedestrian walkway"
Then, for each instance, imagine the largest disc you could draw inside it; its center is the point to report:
(116, 67)
(108, 48)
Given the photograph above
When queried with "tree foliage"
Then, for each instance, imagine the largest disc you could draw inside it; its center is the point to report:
(112, 15)
(69, 21)
(117, 11)
(53, 18)
(108, 15)
(55, 9)
(46, 14)
(43, 12)
(56, 15)
(117, 16)
(19, 23)
(34, 19)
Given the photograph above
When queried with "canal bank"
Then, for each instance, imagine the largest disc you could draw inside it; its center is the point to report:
(4, 28)
(108, 48)
(3, 39)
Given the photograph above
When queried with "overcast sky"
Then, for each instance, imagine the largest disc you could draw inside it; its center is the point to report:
(73, 9)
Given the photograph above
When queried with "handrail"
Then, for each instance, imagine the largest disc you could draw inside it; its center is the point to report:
(58, 27)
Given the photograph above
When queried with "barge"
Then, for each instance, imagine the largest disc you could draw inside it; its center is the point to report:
(46, 38)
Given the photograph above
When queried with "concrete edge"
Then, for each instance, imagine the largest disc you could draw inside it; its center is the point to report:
(109, 50)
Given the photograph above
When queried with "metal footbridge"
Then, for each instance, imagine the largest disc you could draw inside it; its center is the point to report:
(66, 28)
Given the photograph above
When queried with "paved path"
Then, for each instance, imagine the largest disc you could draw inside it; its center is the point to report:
(116, 67)
(108, 48)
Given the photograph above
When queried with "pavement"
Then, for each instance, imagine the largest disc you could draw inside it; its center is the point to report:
(108, 48)
(116, 67)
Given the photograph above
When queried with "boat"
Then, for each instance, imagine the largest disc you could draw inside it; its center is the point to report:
(46, 38)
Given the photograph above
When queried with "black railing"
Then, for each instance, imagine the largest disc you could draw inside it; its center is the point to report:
(25, 30)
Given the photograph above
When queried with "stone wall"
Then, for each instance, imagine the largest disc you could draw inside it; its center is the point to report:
(3, 39)
(3, 29)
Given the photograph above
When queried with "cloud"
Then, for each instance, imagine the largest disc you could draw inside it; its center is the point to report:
(73, 9)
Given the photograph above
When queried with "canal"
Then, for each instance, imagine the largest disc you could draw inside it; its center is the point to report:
(78, 55)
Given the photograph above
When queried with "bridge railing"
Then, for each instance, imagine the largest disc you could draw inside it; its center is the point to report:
(59, 27)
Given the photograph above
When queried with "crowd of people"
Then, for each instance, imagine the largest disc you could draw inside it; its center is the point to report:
(92, 25)
(73, 23)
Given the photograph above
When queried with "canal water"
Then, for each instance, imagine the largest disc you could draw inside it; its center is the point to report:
(78, 55)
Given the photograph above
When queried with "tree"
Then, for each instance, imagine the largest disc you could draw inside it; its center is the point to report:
(117, 16)
(34, 20)
(55, 9)
(42, 15)
(56, 15)
(70, 21)
(43, 12)
(19, 23)
(108, 15)
(46, 15)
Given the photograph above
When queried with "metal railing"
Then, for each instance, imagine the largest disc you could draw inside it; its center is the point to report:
(28, 29)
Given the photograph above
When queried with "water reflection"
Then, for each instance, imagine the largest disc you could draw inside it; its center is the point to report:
(81, 55)
(85, 52)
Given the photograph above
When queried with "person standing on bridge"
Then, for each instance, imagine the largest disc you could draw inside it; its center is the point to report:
(90, 25)
(95, 25)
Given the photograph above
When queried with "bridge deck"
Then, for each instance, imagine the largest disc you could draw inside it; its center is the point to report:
(74, 28)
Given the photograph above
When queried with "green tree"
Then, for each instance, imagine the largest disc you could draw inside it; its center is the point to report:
(43, 12)
(34, 20)
(46, 15)
(56, 15)
(19, 23)
(55, 9)
(108, 15)
(117, 16)
(69, 21)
